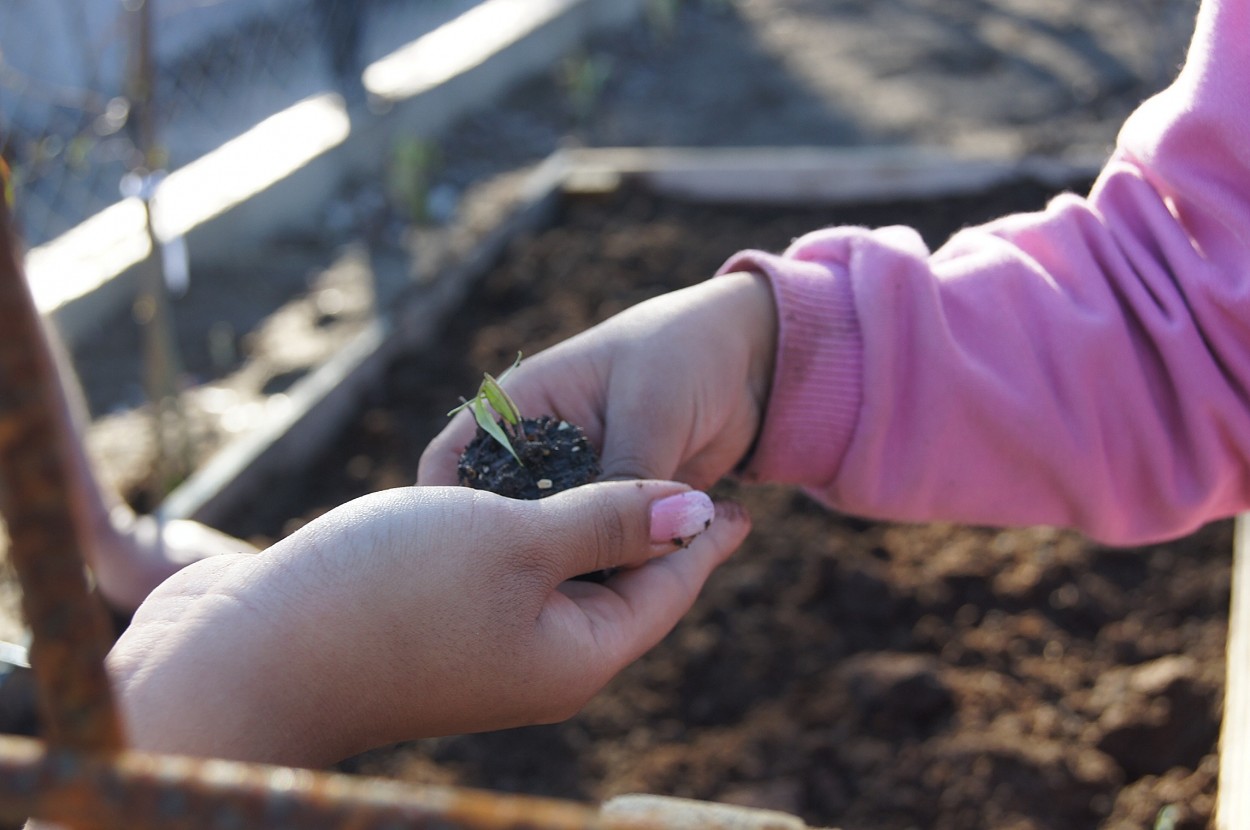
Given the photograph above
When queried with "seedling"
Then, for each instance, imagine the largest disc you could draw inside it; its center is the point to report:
(517, 457)
(585, 77)
(413, 166)
(491, 397)
(662, 16)
(545, 455)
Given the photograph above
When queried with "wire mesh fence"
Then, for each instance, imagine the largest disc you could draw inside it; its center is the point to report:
(94, 90)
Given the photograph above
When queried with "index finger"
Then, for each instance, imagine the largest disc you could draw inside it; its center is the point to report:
(637, 607)
(438, 462)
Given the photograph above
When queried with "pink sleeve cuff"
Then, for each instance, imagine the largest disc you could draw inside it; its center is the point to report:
(814, 403)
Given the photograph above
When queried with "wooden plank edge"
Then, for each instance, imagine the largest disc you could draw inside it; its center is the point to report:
(811, 175)
(1233, 804)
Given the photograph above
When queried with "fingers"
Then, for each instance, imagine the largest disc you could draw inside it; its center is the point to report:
(618, 524)
(636, 608)
(438, 461)
(563, 382)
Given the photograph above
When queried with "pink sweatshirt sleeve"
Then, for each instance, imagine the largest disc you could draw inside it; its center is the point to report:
(1085, 366)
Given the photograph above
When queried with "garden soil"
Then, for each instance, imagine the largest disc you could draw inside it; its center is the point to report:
(857, 674)
(1000, 78)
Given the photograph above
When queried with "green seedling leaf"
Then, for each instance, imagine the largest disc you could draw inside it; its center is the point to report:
(487, 422)
(500, 400)
(490, 396)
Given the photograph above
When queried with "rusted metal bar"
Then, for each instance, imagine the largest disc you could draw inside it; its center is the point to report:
(137, 791)
(132, 790)
(69, 630)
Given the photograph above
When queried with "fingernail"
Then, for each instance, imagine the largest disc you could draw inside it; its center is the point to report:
(677, 519)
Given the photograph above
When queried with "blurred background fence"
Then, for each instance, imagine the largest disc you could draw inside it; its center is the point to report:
(94, 90)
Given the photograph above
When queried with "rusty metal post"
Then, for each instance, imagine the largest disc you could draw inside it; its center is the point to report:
(69, 629)
(140, 791)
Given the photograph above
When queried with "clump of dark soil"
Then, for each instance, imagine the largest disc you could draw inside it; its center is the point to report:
(554, 456)
(864, 675)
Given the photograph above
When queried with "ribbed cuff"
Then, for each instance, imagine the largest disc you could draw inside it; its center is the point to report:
(817, 391)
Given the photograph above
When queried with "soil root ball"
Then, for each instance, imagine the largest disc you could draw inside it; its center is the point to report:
(555, 456)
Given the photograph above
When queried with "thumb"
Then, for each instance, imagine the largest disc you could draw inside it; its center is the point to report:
(438, 461)
(620, 524)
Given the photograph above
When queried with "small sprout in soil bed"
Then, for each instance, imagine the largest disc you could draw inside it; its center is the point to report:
(490, 396)
(518, 457)
(524, 458)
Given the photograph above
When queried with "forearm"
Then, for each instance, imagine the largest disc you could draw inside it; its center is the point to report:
(1082, 366)
(409, 613)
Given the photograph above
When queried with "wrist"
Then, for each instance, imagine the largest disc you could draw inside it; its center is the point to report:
(755, 314)
(815, 389)
(761, 314)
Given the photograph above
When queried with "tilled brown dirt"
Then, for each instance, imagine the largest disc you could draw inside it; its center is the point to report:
(858, 674)
(865, 675)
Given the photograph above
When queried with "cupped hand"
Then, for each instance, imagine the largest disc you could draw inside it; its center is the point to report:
(673, 388)
(415, 612)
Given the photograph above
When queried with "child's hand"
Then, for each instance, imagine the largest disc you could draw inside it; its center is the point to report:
(413, 612)
(673, 388)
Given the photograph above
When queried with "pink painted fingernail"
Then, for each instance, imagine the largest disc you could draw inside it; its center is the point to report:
(678, 519)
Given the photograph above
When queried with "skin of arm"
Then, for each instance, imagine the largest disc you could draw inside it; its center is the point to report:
(675, 387)
(408, 613)
(1083, 366)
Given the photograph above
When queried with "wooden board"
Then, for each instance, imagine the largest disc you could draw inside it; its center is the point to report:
(1233, 812)
(809, 175)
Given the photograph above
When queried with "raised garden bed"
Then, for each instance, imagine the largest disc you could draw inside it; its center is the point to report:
(856, 674)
